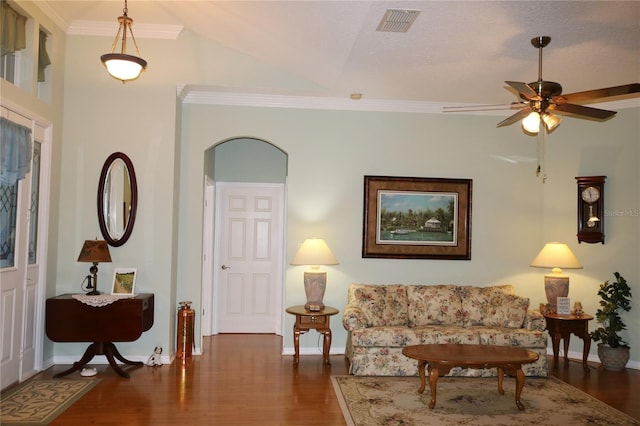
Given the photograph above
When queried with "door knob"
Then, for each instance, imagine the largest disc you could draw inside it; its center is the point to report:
(225, 267)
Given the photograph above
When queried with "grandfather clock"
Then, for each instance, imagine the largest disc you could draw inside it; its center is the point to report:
(591, 209)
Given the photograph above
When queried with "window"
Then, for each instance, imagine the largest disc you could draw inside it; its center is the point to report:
(13, 40)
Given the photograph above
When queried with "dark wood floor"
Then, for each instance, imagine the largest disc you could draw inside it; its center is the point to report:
(243, 379)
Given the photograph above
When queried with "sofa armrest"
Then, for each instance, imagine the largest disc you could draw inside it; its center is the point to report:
(354, 318)
(534, 321)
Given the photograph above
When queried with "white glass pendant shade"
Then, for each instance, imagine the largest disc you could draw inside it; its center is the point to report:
(122, 66)
(551, 121)
(531, 123)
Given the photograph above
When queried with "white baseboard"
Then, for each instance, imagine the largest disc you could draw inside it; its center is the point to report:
(312, 351)
(635, 365)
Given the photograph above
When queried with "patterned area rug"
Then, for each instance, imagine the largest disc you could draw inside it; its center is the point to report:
(469, 401)
(38, 402)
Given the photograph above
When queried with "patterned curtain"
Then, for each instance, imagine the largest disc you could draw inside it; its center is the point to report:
(43, 56)
(12, 30)
(15, 151)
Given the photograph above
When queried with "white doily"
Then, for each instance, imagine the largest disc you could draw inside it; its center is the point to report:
(100, 299)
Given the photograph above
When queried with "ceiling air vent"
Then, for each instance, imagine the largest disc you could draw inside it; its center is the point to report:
(397, 20)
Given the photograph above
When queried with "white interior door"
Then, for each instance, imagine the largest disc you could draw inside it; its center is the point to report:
(13, 276)
(249, 257)
(23, 236)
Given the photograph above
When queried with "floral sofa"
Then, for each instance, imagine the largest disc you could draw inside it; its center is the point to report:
(382, 319)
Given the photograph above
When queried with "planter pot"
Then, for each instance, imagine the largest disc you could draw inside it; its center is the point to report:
(614, 359)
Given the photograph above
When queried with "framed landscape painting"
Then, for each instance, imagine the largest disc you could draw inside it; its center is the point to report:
(124, 281)
(417, 218)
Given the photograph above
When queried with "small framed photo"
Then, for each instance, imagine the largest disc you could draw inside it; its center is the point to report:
(124, 281)
(564, 305)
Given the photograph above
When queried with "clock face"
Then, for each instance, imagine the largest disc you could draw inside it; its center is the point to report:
(590, 194)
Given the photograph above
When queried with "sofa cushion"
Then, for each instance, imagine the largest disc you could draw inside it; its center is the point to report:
(436, 334)
(492, 307)
(511, 337)
(434, 305)
(393, 336)
(383, 305)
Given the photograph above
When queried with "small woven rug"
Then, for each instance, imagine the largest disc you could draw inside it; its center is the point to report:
(39, 402)
(393, 401)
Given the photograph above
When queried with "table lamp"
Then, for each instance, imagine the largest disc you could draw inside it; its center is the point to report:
(94, 251)
(556, 256)
(314, 252)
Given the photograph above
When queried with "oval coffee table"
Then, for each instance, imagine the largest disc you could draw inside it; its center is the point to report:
(443, 357)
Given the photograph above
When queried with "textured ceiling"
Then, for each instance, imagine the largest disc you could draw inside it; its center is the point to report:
(455, 51)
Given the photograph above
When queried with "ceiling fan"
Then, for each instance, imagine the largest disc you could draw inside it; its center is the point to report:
(541, 98)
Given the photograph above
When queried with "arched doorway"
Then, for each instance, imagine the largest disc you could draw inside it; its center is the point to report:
(243, 237)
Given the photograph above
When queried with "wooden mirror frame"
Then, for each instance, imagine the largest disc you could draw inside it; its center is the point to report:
(104, 229)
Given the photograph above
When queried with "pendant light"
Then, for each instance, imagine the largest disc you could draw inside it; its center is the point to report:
(122, 66)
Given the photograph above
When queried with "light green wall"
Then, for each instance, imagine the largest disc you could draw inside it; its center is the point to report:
(249, 160)
(514, 213)
(329, 152)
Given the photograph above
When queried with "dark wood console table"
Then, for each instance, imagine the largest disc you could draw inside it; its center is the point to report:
(69, 320)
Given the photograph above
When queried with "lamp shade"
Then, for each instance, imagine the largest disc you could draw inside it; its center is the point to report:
(96, 251)
(314, 251)
(556, 255)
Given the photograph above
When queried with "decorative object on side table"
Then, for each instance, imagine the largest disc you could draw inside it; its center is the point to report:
(124, 281)
(314, 252)
(94, 251)
(615, 298)
(591, 209)
(556, 256)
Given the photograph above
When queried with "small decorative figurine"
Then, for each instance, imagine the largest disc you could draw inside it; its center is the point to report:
(577, 309)
(156, 357)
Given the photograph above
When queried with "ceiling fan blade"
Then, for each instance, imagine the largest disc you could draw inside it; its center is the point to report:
(515, 117)
(524, 89)
(607, 92)
(490, 107)
(584, 111)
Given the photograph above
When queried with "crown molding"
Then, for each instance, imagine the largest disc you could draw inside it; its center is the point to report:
(109, 29)
(52, 13)
(204, 95)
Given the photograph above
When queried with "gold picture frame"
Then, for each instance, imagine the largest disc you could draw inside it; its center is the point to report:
(417, 218)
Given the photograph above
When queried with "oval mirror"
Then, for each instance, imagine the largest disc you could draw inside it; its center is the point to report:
(117, 199)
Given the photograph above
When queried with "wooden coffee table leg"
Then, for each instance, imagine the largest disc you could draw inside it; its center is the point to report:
(500, 379)
(423, 382)
(433, 383)
(519, 386)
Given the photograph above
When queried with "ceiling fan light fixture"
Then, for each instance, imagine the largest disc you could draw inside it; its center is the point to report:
(121, 65)
(531, 123)
(550, 121)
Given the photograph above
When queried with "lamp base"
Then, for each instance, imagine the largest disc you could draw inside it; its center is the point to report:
(555, 286)
(315, 284)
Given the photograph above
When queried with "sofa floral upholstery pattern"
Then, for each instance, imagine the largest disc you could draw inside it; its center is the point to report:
(383, 319)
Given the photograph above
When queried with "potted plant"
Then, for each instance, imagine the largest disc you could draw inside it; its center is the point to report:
(615, 297)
